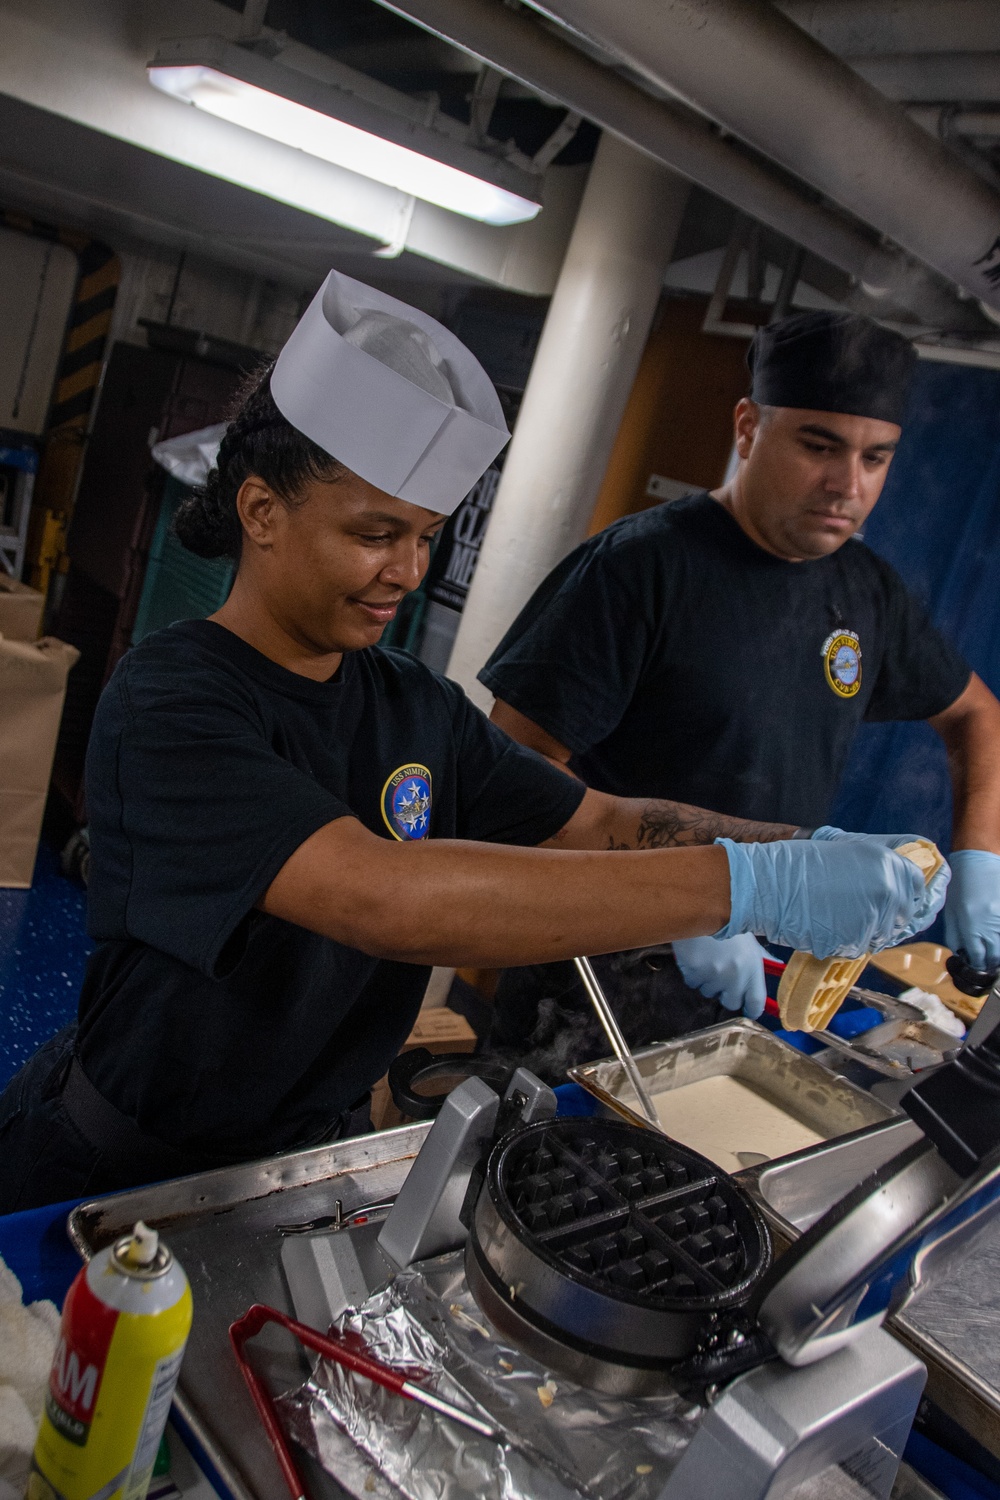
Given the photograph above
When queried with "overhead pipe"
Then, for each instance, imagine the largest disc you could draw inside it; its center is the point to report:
(517, 44)
(757, 74)
(944, 119)
(949, 123)
(934, 77)
(869, 28)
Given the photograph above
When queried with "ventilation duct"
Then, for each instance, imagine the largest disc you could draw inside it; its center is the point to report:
(861, 28)
(758, 75)
(933, 77)
(517, 44)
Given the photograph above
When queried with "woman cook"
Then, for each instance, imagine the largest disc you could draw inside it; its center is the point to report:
(289, 824)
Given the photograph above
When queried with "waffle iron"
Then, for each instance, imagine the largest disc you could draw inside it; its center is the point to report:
(631, 1263)
(610, 1252)
(617, 1256)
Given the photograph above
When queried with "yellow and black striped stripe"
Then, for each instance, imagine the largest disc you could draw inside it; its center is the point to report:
(76, 387)
(86, 334)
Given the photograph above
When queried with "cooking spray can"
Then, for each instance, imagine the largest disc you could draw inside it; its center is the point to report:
(125, 1322)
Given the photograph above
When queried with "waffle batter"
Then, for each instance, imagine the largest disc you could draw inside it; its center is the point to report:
(720, 1116)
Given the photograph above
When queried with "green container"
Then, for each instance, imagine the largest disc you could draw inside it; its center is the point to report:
(178, 585)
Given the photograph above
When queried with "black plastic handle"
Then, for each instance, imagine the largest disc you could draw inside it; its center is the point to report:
(428, 1068)
(970, 981)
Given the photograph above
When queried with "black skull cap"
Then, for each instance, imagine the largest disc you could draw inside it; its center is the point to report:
(832, 361)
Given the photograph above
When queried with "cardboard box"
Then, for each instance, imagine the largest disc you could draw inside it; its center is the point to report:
(20, 610)
(439, 1030)
(32, 689)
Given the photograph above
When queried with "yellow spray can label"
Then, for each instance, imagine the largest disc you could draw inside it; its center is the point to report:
(116, 1364)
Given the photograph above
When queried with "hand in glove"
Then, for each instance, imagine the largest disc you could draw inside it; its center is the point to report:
(972, 912)
(730, 970)
(834, 898)
(934, 890)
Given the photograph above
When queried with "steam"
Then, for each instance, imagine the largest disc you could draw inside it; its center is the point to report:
(650, 1000)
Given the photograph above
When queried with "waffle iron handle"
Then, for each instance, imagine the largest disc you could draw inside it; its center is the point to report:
(970, 981)
(424, 1220)
(958, 1106)
(430, 1213)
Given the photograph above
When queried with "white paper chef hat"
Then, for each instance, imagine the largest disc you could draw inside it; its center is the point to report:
(390, 393)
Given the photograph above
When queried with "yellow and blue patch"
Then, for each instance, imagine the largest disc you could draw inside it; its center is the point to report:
(842, 662)
(406, 803)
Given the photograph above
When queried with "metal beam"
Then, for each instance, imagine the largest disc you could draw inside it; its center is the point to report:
(594, 335)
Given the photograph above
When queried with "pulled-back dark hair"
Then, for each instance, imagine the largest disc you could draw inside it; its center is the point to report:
(258, 441)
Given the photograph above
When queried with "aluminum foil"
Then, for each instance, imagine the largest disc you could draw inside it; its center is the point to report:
(566, 1443)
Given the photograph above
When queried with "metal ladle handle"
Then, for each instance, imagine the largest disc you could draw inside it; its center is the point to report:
(606, 1016)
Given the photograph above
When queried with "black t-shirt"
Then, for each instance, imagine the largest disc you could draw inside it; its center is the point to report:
(677, 659)
(219, 1029)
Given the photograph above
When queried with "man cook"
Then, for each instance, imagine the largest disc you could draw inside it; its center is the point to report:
(724, 649)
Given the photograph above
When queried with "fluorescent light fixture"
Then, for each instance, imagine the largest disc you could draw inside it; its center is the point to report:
(250, 103)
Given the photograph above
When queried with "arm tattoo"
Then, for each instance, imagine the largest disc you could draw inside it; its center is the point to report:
(671, 825)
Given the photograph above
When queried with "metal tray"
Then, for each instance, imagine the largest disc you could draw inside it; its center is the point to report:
(897, 1049)
(828, 1103)
(903, 1044)
(223, 1227)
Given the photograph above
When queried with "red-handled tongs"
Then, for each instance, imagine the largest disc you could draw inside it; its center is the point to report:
(773, 966)
(343, 1353)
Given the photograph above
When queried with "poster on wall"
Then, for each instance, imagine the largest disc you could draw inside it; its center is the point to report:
(455, 560)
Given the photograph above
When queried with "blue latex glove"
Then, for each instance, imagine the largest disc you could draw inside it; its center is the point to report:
(934, 891)
(972, 912)
(839, 898)
(730, 970)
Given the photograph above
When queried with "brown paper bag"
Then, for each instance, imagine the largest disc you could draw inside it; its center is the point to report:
(20, 610)
(32, 689)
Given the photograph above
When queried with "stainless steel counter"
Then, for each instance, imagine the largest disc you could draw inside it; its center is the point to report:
(223, 1228)
(955, 1329)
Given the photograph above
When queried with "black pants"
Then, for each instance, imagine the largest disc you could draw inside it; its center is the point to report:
(543, 1020)
(45, 1157)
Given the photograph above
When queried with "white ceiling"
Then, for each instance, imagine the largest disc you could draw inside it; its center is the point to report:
(85, 141)
(84, 138)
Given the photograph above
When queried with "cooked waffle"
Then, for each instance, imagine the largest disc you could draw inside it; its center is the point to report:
(812, 990)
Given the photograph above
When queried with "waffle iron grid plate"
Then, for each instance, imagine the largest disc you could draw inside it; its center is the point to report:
(616, 1240)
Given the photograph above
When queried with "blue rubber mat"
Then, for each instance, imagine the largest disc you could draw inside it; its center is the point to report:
(35, 1246)
(952, 1476)
(43, 952)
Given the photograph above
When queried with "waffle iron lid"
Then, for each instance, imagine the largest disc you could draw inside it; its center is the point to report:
(897, 1232)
